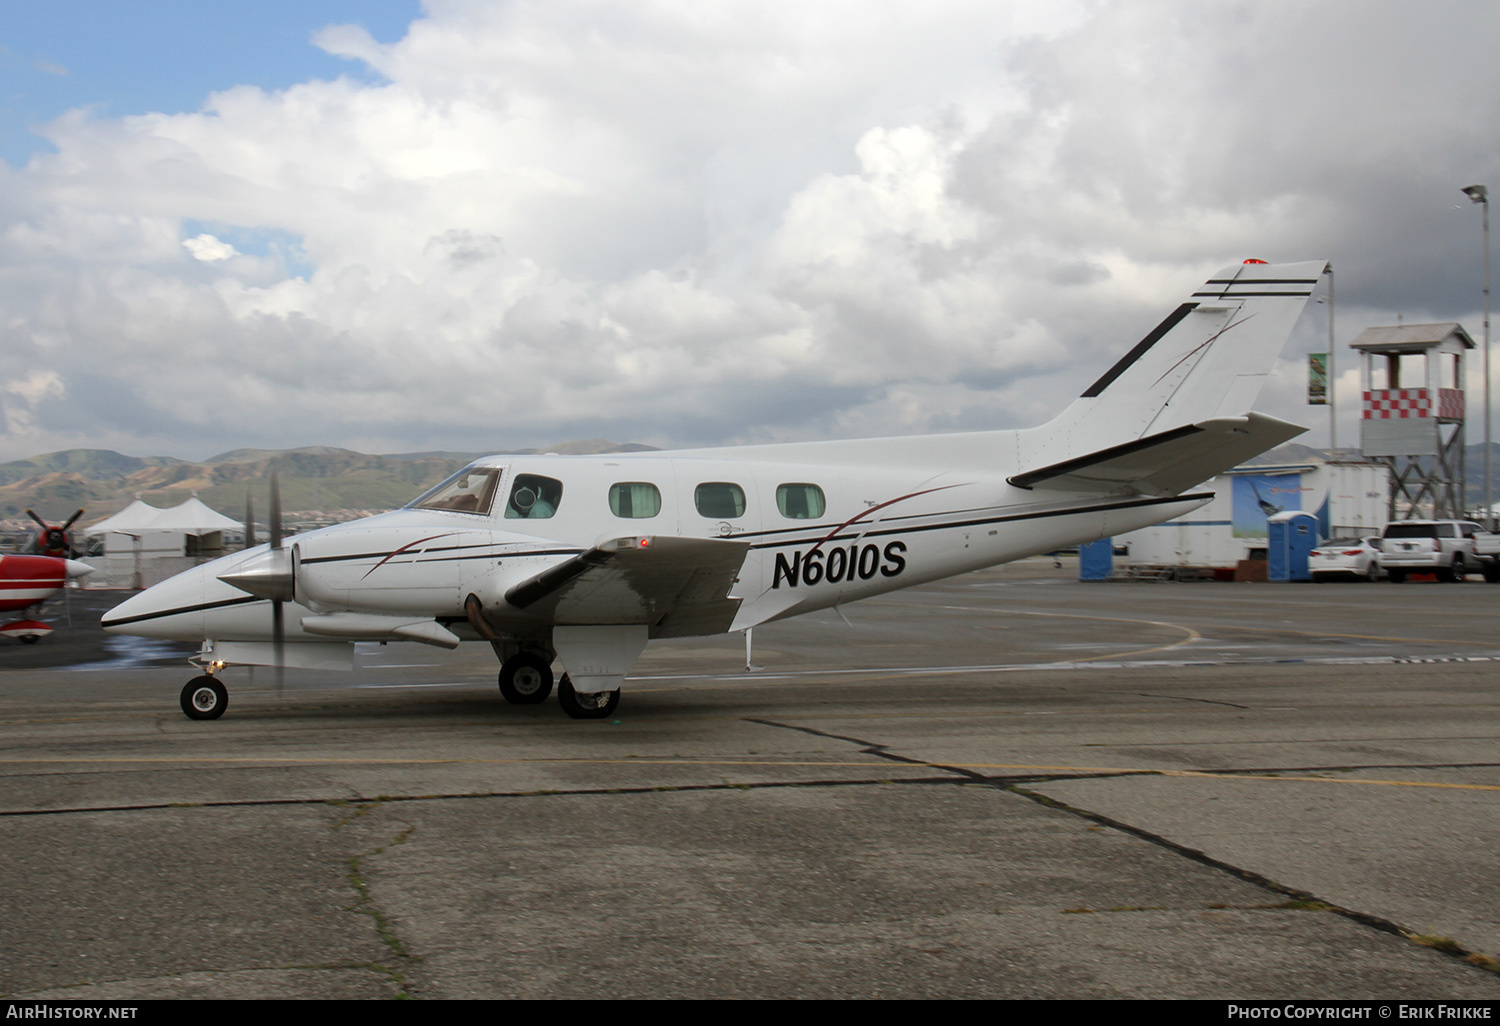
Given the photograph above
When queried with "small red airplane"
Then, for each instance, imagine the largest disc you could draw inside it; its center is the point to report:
(30, 580)
(27, 581)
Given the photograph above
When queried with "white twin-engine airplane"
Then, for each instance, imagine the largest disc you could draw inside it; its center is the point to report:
(583, 559)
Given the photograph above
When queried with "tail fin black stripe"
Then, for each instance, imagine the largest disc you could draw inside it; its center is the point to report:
(1262, 281)
(1237, 294)
(1140, 349)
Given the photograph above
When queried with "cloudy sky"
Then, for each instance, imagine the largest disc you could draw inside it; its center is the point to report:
(474, 224)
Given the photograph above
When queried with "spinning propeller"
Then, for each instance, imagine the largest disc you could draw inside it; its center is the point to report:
(269, 575)
(52, 540)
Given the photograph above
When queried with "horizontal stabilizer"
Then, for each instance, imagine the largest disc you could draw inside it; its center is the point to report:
(1165, 463)
(676, 586)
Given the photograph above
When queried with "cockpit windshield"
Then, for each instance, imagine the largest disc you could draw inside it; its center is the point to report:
(471, 490)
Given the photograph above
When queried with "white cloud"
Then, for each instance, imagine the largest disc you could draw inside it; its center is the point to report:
(207, 248)
(686, 223)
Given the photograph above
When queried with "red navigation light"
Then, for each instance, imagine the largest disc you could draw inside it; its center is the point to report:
(1252, 260)
(645, 543)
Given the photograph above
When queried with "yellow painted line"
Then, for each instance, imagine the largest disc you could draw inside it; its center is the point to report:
(1206, 775)
(1334, 780)
(763, 764)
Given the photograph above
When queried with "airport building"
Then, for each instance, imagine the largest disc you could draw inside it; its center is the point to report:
(1348, 497)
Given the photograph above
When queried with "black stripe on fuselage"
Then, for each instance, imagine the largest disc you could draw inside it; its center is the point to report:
(1002, 519)
(417, 557)
(105, 621)
(386, 555)
(1140, 350)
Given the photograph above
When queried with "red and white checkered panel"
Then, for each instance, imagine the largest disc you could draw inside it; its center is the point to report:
(1397, 403)
(1406, 403)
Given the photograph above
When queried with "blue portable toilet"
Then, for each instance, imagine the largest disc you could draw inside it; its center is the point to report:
(1292, 537)
(1096, 560)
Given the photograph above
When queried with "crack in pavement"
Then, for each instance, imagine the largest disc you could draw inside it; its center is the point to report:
(1013, 785)
(366, 906)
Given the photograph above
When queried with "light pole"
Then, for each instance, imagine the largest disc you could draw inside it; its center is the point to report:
(1333, 381)
(1481, 194)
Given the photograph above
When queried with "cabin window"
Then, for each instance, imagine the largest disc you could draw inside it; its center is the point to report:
(720, 500)
(800, 501)
(533, 497)
(634, 499)
(468, 491)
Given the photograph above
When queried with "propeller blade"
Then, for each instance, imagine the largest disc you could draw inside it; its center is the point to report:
(278, 640)
(249, 522)
(71, 520)
(32, 514)
(275, 512)
(278, 619)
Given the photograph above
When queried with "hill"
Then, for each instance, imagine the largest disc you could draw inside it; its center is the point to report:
(311, 478)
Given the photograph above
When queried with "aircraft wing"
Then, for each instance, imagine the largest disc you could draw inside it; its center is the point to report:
(677, 586)
(1168, 462)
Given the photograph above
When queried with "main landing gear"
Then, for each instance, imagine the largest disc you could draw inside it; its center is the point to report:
(526, 679)
(586, 705)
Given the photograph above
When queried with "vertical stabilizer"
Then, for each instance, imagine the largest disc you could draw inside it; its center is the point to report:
(1208, 359)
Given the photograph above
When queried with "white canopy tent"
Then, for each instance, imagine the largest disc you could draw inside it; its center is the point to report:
(147, 529)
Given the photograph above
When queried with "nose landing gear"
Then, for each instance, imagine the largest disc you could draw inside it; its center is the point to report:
(204, 698)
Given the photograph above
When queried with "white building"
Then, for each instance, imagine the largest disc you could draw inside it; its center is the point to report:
(1347, 497)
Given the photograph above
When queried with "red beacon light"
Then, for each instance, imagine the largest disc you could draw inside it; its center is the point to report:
(1252, 260)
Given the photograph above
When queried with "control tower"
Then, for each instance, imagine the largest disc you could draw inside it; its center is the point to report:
(1412, 376)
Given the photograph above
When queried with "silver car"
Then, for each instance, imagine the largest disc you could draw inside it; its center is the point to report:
(1346, 557)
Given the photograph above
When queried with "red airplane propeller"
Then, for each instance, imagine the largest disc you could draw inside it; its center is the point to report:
(53, 540)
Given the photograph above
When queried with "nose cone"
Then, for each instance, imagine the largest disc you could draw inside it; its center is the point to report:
(268, 574)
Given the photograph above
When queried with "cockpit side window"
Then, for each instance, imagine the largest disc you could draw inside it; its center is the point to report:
(471, 490)
(533, 497)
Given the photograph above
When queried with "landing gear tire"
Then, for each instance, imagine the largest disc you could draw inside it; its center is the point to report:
(586, 705)
(525, 679)
(30, 639)
(204, 698)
